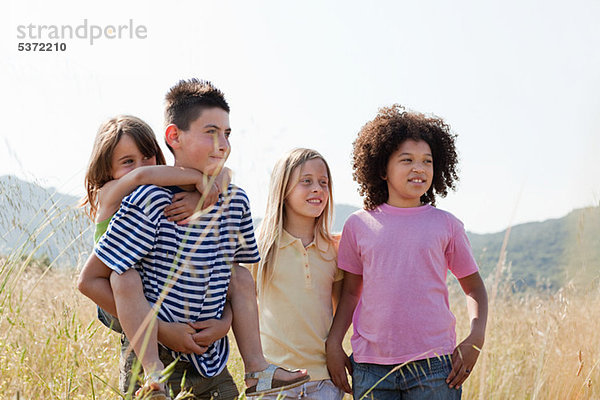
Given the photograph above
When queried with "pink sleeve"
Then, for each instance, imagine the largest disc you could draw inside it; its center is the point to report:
(348, 252)
(459, 254)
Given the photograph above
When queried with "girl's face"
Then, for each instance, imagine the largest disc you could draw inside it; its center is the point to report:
(127, 157)
(310, 194)
(409, 173)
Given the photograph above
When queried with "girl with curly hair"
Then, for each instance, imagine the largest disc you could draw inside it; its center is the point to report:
(396, 254)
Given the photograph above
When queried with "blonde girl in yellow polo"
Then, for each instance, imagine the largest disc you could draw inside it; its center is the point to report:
(297, 279)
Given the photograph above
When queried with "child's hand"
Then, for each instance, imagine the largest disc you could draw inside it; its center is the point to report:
(178, 336)
(220, 181)
(209, 331)
(212, 196)
(337, 364)
(463, 360)
(182, 207)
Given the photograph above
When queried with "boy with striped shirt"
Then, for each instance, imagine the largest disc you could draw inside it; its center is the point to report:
(186, 269)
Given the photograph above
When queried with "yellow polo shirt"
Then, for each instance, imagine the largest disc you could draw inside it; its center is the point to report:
(296, 309)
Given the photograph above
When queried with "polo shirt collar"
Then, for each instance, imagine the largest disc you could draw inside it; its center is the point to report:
(287, 239)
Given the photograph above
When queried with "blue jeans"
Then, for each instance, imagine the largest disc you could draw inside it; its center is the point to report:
(417, 380)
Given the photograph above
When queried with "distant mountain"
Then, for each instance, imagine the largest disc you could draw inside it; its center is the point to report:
(546, 254)
(42, 221)
(539, 254)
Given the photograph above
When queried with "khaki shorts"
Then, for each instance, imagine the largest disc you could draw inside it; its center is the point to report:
(218, 387)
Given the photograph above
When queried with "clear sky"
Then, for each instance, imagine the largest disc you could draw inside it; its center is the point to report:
(518, 81)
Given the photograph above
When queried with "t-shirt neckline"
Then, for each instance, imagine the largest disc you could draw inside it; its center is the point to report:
(388, 209)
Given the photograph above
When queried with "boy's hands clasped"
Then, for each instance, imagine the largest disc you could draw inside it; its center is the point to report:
(192, 337)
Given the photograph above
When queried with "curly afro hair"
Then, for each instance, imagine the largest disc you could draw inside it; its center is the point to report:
(382, 136)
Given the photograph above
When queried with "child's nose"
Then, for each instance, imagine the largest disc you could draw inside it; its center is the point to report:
(222, 143)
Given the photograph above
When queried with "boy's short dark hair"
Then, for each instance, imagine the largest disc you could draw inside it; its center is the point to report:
(382, 136)
(185, 101)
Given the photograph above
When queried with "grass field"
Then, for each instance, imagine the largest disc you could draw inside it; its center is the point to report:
(539, 346)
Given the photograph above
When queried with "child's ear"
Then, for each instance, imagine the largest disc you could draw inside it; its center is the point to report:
(172, 134)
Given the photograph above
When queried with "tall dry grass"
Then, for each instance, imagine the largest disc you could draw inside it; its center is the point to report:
(539, 345)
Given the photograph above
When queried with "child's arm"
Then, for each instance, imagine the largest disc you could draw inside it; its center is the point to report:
(466, 353)
(185, 204)
(336, 293)
(94, 283)
(337, 360)
(113, 192)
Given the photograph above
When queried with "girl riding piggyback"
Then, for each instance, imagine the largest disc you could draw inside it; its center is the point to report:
(396, 254)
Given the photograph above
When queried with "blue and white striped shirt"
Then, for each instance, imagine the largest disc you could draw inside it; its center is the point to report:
(190, 263)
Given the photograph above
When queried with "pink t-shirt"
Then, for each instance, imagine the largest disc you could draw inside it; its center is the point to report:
(403, 255)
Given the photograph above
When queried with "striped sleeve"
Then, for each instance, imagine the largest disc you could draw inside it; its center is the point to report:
(131, 234)
(246, 250)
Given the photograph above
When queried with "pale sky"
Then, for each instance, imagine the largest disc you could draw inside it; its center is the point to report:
(518, 82)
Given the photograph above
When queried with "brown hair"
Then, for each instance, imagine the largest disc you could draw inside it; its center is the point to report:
(100, 168)
(185, 101)
(382, 136)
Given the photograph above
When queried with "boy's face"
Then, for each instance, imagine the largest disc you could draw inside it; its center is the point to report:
(409, 173)
(205, 145)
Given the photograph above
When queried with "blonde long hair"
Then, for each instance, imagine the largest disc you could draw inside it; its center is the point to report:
(99, 169)
(271, 228)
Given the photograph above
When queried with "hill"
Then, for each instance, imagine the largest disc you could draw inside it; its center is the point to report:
(539, 254)
(43, 222)
(547, 254)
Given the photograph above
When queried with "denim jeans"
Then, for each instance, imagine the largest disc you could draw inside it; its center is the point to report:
(417, 380)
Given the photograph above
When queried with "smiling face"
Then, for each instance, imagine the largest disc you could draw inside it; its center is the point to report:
(127, 156)
(310, 192)
(205, 145)
(409, 173)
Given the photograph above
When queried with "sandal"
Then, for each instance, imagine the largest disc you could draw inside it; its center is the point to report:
(267, 384)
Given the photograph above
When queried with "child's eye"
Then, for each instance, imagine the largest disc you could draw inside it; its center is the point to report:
(227, 134)
(324, 183)
(308, 181)
(428, 161)
(128, 161)
(406, 160)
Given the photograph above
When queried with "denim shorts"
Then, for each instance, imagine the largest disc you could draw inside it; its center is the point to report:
(417, 380)
(313, 390)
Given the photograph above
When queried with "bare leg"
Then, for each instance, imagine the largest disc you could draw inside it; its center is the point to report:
(132, 309)
(242, 296)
